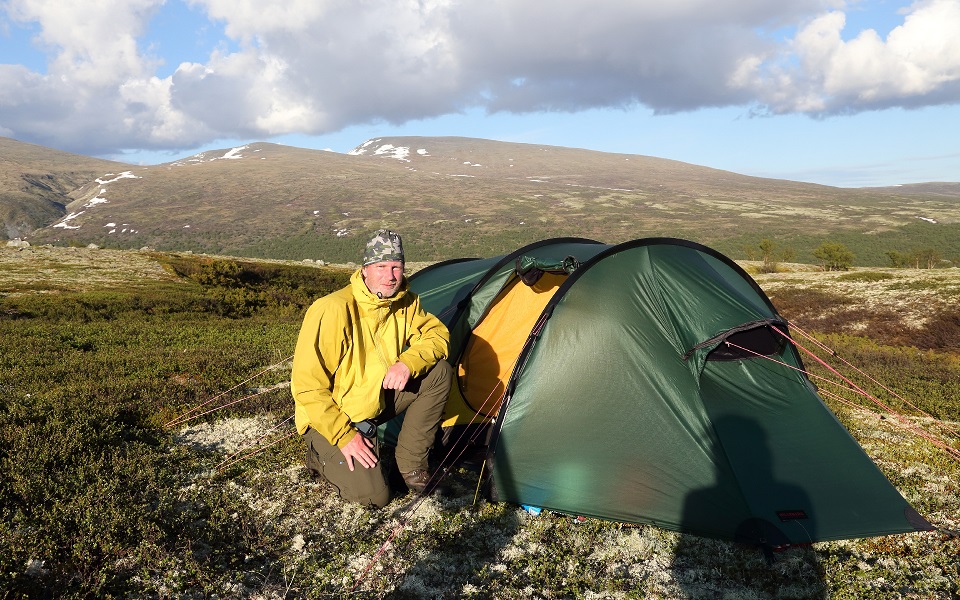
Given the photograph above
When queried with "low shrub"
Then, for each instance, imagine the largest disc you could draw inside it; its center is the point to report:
(866, 276)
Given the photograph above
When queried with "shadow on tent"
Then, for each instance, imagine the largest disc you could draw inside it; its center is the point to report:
(710, 568)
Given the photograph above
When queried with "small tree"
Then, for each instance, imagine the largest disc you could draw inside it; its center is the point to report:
(768, 253)
(833, 256)
(898, 259)
(926, 258)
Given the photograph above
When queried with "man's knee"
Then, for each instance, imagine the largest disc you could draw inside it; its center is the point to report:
(367, 487)
(446, 370)
(442, 373)
(376, 496)
(438, 381)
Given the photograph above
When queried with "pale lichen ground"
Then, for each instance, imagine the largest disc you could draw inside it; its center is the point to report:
(912, 294)
(82, 269)
(397, 556)
(75, 269)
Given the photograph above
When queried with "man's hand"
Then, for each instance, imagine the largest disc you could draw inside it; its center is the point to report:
(397, 377)
(359, 449)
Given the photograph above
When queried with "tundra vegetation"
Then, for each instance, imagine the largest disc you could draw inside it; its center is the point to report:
(99, 497)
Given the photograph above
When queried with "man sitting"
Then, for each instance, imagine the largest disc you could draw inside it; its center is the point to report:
(365, 354)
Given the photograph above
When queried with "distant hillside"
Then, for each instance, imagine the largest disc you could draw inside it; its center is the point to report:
(934, 188)
(37, 183)
(461, 196)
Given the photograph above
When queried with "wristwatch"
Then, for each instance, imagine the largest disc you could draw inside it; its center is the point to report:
(366, 428)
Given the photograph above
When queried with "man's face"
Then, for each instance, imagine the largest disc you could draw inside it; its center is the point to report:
(383, 278)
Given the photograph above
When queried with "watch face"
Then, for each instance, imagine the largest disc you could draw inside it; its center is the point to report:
(366, 429)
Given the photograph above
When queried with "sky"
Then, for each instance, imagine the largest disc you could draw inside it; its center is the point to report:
(848, 93)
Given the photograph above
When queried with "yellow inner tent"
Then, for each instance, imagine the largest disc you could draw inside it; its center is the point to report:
(491, 352)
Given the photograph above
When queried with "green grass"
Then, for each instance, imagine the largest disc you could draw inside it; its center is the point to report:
(99, 498)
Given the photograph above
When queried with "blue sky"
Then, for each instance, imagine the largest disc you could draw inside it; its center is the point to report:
(839, 92)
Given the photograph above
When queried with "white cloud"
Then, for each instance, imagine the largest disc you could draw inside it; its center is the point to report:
(98, 93)
(95, 42)
(314, 67)
(918, 63)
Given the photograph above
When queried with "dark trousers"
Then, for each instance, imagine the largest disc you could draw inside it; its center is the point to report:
(422, 403)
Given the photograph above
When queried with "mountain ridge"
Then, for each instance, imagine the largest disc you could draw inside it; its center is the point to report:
(456, 195)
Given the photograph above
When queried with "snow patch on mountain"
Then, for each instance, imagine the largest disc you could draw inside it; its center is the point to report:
(203, 157)
(397, 152)
(388, 150)
(66, 222)
(124, 175)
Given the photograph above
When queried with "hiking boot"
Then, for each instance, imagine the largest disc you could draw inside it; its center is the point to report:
(416, 480)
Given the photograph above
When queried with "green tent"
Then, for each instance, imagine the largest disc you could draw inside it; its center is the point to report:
(634, 382)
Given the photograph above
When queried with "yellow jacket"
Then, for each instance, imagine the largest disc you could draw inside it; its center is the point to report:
(347, 341)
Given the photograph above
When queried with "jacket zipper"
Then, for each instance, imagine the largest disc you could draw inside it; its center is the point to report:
(375, 334)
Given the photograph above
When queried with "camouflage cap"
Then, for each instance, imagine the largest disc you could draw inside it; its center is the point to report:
(384, 245)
